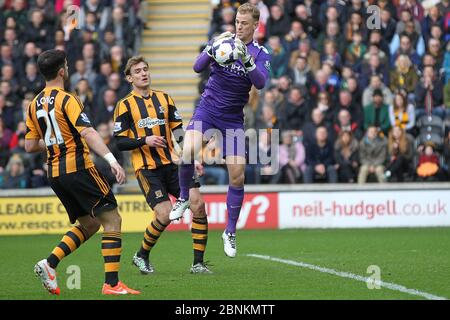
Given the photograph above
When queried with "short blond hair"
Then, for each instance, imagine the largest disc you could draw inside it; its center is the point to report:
(249, 8)
(132, 62)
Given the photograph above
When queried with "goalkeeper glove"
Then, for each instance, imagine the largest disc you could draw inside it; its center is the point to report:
(208, 48)
(245, 56)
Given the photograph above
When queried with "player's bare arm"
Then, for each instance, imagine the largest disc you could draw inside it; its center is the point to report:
(34, 145)
(95, 142)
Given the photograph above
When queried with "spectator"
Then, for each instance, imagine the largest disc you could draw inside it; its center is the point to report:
(321, 85)
(295, 35)
(266, 173)
(124, 35)
(429, 95)
(434, 49)
(356, 50)
(428, 166)
(377, 113)
(31, 53)
(8, 139)
(416, 39)
(332, 32)
(90, 57)
(376, 83)
(86, 96)
(81, 73)
(20, 115)
(7, 74)
(405, 48)
(32, 81)
(373, 67)
(19, 13)
(38, 31)
(344, 123)
(280, 59)
(414, 7)
(102, 77)
(400, 153)
(100, 10)
(404, 76)
(355, 24)
(372, 155)
(105, 110)
(292, 158)
(377, 41)
(308, 19)
(347, 157)
(278, 23)
(355, 91)
(326, 107)
(268, 118)
(10, 39)
(301, 73)
(401, 113)
(331, 55)
(264, 15)
(388, 25)
(346, 102)
(115, 84)
(305, 50)
(14, 176)
(325, 14)
(310, 127)
(320, 161)
(295, 111)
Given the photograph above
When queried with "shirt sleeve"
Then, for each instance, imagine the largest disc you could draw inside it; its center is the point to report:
(263, 63)
(74, 111)
(32, 132)
(122, 120)
(175, 119)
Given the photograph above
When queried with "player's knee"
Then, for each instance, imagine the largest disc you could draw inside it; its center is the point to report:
(111, 221)
(92, 227)
(162, 211)
(197, 207)
(237, 180)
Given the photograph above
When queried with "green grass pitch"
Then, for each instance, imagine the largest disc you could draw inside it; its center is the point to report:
(415, 258)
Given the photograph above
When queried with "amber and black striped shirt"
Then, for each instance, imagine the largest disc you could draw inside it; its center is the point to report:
(136, 116)
(57, 117)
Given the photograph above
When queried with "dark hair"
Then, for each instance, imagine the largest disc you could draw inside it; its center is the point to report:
(49, 63)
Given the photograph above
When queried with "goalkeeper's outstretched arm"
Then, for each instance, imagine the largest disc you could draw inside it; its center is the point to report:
(203, 60)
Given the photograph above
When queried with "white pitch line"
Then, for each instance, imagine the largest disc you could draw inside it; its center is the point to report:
(349, 275)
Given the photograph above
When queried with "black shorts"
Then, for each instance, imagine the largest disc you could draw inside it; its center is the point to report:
(157, 184)
(85, 192)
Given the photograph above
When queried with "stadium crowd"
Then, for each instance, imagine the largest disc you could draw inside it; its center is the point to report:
(97, 44)
(354, 101)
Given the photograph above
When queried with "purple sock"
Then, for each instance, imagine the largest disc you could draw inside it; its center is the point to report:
(235, 197)
(186, 171)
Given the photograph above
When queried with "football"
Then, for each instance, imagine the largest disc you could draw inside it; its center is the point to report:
(224, 51)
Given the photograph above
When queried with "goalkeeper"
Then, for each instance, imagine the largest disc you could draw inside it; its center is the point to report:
(221, 108)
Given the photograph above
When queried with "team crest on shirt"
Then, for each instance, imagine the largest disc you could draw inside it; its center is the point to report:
(85, 118)
(158, 194)
(117, 126)
(267, 65)
(150, 122)
(177, 115)
(161, 109)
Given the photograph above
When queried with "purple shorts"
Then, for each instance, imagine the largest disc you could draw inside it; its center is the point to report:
(227, 127)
